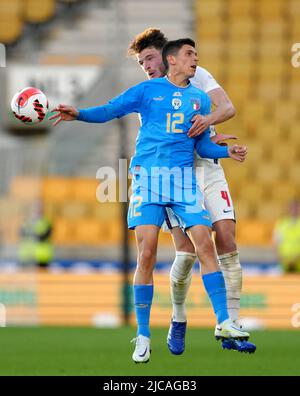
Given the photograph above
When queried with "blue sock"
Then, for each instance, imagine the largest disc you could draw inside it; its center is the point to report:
(215, 287)
(143, 295)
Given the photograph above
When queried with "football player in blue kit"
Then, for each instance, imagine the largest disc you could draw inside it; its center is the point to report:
(164, 155)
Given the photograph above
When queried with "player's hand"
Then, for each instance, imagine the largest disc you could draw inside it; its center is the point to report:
(200, 124)
(221, 139)
(65, 113)
(237, 152)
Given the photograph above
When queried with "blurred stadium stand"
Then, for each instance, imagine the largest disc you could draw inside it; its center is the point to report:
(247, 46)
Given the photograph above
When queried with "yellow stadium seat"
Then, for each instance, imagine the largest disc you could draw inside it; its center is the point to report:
(286, 112)
(269, 172)
(209, 36)
(107, 211)
(11, 8)
(52, 209)
(10, 29)
(238, 92)
(282, 191)
(294, 31)
(75, 209)
(272, 29)
(255, 110)
(243, 209)
(255, 152)
(240, 69)
(284, 153)
(89, 232)
(57, 189)
(240, 29)
(63, 232)
(270, 210)
(269, 70)
(294, 173)
(165, 239)
(209, 8)
(239, 172)
(26, 188)
(271, 9)
(251, 192)
(294, 10)
(269, 133)
(84, 190)
(270, 89)
(210, 49)
(239, 50)
(36, 11)
(238, 9)
(12, 207)
(294, 90)
(272, 47)
(254, 232)
(113, 231)
(95, 232)
(10, 233)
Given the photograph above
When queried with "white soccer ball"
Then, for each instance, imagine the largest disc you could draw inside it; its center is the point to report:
(30, 105)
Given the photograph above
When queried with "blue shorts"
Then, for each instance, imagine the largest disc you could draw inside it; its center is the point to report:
(149, 208)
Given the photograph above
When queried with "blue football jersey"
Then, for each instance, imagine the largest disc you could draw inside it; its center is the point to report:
(166, 111)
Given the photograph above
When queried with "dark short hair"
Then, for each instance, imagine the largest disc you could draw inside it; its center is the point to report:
(151, 37)
(172, 48)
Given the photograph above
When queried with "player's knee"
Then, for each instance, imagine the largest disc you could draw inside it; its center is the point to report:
(205, 245)
(225, 236)
(147, 256)
(180, 278)
(225, 243)
(185, 245)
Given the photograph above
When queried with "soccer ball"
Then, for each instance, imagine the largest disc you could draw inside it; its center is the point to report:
(30, 105)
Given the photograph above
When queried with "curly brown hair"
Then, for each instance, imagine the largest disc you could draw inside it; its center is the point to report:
(151, 37)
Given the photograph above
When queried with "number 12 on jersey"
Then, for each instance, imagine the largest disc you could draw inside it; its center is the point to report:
(173, 120)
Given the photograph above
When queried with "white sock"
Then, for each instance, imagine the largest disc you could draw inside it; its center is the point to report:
(180, 280)
(232, 272)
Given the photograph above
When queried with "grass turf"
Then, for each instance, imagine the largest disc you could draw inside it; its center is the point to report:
(90, 351)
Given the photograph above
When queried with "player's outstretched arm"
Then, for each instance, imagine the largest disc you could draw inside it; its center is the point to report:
(64, 113)
(238, 153)
(127, 102)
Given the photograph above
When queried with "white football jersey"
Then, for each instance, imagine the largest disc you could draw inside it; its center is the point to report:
(204, 80)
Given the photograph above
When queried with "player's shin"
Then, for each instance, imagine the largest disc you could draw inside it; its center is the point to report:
(232, 272)
(143, 296)
(215, 287)
(180, 280)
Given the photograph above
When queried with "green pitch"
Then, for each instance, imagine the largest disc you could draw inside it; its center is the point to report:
(90, 351)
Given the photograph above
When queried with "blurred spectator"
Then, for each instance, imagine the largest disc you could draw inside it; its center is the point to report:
(36, 246)
(287, 238)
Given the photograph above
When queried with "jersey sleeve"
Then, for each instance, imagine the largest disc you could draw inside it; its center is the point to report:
(126, 103)
(207, 149)
(204, 80)
(203, 145)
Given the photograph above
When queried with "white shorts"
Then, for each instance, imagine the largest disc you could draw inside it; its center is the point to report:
(217, 198)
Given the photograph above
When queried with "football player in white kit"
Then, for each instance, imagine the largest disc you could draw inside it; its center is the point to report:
(147, 47)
